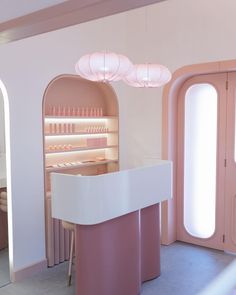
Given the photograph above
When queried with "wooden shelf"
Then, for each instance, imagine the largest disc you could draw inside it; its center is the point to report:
(79, 133)
(50, 169)
(81, 149)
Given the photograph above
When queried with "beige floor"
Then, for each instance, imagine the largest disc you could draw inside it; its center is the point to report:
(186, 269)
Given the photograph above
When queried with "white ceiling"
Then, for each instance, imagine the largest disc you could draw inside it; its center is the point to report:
(10, 9)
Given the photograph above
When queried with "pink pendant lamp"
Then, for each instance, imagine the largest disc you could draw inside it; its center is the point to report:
(103, 66)
(148, 75)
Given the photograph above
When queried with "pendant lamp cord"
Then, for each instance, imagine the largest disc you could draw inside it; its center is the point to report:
(104, 69)
(146, 31)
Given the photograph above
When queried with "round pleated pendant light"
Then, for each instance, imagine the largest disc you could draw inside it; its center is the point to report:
(103, 66)
(148, 75)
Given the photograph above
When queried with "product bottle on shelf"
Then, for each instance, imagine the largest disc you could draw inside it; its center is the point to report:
(63, 111)
(50, 128)
(53, 110)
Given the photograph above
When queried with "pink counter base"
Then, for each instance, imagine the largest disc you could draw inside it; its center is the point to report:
(116, 256)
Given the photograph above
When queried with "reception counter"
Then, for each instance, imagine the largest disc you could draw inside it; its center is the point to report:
(117, 226)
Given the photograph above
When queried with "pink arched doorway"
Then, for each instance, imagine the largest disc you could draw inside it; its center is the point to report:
(169, 146)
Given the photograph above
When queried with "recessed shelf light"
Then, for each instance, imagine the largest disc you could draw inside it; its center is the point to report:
(86, 135)
(76, 119)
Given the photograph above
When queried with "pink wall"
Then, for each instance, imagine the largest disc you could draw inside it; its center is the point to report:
(179, 33)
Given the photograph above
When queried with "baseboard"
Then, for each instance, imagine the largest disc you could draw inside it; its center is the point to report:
(28, 271)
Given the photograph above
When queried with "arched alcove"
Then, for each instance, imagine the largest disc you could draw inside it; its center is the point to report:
(81, 136)
(6, 238)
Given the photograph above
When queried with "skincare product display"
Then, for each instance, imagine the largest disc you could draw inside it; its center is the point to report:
(60, 147)
(96, 129)
(58, 128)
(90, 142)
(72, 111)
(97, 142)
(72, 128)
(77, 163)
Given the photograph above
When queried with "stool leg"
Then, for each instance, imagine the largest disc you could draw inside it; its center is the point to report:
(71, 257)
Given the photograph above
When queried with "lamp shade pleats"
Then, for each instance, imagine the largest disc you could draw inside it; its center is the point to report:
(103, 66)
(148, 75)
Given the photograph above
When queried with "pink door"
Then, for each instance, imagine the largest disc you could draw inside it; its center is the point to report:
(201, 161)
(230, 183)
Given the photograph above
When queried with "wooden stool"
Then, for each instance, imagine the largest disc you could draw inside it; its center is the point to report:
(71, 227)
(3, 201)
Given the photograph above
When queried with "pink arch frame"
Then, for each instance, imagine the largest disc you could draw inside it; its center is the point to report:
(169, 133)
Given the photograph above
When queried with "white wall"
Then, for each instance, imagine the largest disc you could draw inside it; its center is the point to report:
(180, 32)
(2, 127)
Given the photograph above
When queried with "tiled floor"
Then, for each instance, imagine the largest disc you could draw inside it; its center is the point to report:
(186, 269)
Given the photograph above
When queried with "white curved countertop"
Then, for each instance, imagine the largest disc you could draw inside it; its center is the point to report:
(94, 199)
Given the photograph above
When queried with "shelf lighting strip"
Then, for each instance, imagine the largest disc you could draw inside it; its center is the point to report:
(91, 149)
(65, 167)
(87, 119)
(61, 136)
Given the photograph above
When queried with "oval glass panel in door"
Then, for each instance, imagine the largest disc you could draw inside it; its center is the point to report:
(200, 148)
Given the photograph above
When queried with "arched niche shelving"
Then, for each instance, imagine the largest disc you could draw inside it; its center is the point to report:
(81, 136)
